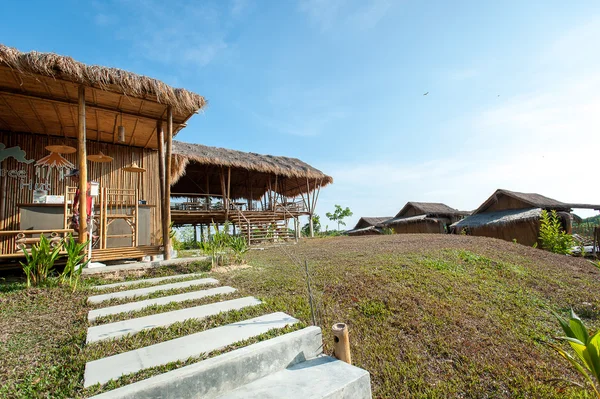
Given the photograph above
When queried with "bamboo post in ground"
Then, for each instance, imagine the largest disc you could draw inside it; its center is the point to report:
(82, 163)
(167, 196)
(341, 342)
(160, 145)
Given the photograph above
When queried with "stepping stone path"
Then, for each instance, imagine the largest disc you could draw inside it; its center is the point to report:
(149, 290)
(291, 365)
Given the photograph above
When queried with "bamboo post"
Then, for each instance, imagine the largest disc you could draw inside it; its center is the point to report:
(3, 196)
(82, 163)
(167, 196)
(160, 145)
(341, 342)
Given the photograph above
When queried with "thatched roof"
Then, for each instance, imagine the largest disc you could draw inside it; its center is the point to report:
(533, 200)
(430, 208)
(127, 83)
(366, 221)
(293, 175)
(499, 218)
(412, 219)
(370, 230)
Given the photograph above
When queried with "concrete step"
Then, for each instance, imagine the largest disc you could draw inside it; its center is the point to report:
(134, 326)
(212, 377)
(145, 291)
(148, 280)
(106, 369)
(135, 306)
(322, 377)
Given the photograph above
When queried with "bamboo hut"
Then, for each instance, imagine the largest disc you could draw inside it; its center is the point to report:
(54, 113)
(511, 215)
(258, 194)
(367, 226)
(424, 217)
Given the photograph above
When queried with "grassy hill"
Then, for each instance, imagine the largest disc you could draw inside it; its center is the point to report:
(439, 316)
(430, 316)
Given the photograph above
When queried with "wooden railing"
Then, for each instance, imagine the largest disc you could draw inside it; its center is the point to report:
(24, 239)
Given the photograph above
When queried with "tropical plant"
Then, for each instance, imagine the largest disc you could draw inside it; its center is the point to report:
(587, 350)
(75, 261)
(552, 236)
(39, 262)
(316, 226)
(339, 215)
(239, 246)
(388, 231)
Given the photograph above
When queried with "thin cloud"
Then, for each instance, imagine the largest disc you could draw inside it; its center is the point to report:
(330, 14)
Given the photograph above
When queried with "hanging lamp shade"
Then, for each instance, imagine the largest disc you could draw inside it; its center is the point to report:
(100, 158)
(61, 149)
(134, 168)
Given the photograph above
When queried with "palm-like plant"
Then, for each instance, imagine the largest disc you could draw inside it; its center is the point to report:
(75, 261)
(587, 349)
(39, 262)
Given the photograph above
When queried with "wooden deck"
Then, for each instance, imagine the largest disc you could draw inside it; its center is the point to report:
(186, 217)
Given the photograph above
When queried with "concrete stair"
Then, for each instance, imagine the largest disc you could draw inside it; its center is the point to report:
(133, 326)
(165, 300)
(180, 349)
(149, 290)
(288, 366)
(148, 280)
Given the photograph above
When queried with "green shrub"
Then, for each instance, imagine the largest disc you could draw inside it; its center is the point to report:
(552, 237)
(39, 263)
(587, 350)
(388, 231)
(75, 261)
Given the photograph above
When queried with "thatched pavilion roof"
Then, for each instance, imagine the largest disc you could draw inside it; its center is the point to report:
(40, 93)
(411, 219)
(366, 221)
(499, 218)
(430, 208)
(533, 200)
(250, 172)
(369, 230)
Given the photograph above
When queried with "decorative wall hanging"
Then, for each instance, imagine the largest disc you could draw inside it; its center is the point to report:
(51, 161)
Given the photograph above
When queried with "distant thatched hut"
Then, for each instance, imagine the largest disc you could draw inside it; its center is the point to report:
(511, 215)
(424, 217)
(368, 226)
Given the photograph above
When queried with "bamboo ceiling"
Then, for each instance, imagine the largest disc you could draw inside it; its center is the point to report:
(39, 94)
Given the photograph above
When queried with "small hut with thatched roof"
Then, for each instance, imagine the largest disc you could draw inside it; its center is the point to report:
(511, 215)
(367, 226)
(424, 217)
(258, 193)
(56, 113)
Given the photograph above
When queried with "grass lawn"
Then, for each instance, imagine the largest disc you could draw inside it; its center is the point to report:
(430, 316)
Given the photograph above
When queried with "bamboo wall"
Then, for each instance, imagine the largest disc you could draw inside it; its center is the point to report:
(109, 175)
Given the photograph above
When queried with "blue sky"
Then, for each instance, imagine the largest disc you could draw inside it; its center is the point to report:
(514, 87)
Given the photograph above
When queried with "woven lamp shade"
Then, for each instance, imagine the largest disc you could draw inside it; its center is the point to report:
(134, 168)
(61, 149)
(100, 158)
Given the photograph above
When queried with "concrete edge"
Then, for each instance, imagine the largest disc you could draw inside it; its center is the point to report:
(140, 265)
(212, 377)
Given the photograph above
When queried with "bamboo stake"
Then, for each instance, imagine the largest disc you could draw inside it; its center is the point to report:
(82, 163)
(341, 343)
(167, 196)
(160, 145)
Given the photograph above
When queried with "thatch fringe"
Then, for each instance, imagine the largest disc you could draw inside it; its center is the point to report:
(128, 83)
(499, 218)
(183, 153)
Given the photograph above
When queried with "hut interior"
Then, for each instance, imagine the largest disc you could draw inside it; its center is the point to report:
(52, 100)
(424, 217)
(258, 194)
(511, 215)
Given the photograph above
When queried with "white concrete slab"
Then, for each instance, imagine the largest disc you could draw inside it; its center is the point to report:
(135, 306)
(217, 375)
(146, 281)
(319, 378)
(106, 369)
(145, 291)
(134, 326)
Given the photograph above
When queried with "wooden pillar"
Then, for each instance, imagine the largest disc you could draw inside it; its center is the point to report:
(167, 196)
(160, 145)
(341, 343)
(82, 165)
(3, 191)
